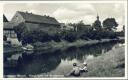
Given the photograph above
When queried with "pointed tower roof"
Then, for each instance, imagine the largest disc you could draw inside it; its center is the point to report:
(97, 17)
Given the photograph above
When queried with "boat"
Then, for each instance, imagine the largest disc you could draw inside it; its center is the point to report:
(28, 48)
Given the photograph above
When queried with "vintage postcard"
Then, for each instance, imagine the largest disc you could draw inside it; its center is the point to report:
(64, 40)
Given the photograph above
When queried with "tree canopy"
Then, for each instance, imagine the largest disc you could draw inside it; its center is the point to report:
(110, 23)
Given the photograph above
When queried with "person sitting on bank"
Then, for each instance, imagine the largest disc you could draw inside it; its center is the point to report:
(84, 69)
(76, 70)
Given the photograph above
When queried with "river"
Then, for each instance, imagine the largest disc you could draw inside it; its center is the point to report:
(57, 63)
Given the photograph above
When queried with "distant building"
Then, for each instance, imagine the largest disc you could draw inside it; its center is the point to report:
(66, 27)
(33, 21)
(9, 32)
(84, 27)
(97, 24)
(81, 26)
(76, 26)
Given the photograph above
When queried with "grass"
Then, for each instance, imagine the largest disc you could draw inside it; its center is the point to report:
(110, 64)
(63, 45)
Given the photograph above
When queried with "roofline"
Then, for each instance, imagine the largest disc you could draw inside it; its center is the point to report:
(38, 15)
(40, 23)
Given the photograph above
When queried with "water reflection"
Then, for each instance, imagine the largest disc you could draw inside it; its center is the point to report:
(53, 62)
(30, 64)
(80, 53)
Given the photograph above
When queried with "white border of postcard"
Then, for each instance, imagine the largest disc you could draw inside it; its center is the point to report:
(91, 78)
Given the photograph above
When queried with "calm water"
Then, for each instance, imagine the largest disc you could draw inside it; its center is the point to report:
(59, 62)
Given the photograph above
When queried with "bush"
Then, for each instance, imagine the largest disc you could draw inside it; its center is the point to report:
(84, 36)
(69, 36)
(35, 36)
(56, 38)
(120, 34)
(38, 35)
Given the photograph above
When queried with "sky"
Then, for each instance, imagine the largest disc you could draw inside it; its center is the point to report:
(71, 12)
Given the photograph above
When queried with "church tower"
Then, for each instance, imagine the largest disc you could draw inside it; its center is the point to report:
(97, 23)
(97, 17)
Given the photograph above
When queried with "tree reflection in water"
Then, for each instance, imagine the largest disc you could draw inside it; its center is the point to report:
(81, 52)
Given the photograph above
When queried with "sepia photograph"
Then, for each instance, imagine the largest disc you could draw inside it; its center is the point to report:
(64, 40)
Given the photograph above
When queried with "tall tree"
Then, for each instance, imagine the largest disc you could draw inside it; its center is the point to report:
(110, 23)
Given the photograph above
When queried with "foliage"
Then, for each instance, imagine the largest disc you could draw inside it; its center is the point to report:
(120, 34)
(20, 29)
(30, 36)
(56, 37)
(110, 23)
(83, 32)
(80, 24)
(35, 35)
(69, 36)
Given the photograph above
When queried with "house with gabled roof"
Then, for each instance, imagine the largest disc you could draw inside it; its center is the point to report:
(9, 33)
(33, 18)
(8, 28)
(34, 21)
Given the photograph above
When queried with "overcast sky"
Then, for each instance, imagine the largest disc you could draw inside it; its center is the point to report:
(71, 12)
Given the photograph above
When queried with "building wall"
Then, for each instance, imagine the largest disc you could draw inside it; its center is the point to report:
(49, 28)
(12, 37)
(84, 28)
(31, 26)
(17, 19)
(10, 34)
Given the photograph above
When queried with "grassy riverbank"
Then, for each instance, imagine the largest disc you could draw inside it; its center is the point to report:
(53, 46)
(110, 64)
(63, 45)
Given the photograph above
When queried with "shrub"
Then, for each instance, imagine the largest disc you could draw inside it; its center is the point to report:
(56, 37)
(69, 36)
